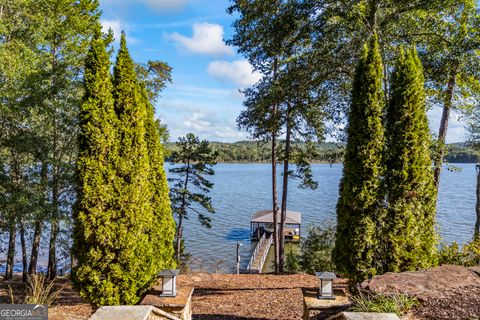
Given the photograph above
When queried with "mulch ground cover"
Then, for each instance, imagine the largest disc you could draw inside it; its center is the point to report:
(249, 297)
(459, 304)
(245, 296)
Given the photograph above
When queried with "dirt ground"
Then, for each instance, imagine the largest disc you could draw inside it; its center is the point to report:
(69, 305)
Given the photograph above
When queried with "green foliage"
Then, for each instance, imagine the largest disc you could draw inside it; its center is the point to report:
(292, 260)
(399, 304)
(95, 173)
(468, 255)
(408, 232)
(124, 227)
(450, 254)
(317, 248)
(358, 214)
(471, 252)
(194, 159)
(162, 229)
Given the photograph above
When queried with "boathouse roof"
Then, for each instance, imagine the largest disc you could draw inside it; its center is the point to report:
(266, 216)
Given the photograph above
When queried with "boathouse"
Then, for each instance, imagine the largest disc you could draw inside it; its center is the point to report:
(262, 222)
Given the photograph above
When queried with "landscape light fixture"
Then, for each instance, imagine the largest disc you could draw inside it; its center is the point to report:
(169, 282)
(325, 289)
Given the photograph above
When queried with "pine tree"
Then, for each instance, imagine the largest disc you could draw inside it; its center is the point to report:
(94, 245)
(409, 180)
(360, 193)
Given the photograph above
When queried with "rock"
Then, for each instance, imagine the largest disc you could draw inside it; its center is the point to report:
(365, 316)
(426, 284)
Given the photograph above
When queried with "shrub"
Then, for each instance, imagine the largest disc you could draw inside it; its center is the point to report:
(317, 247)
(292, 261)
(468, 256)
(366, 301)
(449, 254)
(39, 291)
(471, 252)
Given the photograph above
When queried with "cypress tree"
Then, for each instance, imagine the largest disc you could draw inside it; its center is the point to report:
(134, 264)
(93, 245)
(162, 231)
(358, 214)
(409, 180)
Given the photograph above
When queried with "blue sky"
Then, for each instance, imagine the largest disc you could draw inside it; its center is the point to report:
(204, 97)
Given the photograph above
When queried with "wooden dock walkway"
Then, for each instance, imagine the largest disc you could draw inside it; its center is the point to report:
(259, 255)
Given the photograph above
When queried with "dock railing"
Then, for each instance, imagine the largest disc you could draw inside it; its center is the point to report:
(255, 252)
(265, 253)
(263, 244)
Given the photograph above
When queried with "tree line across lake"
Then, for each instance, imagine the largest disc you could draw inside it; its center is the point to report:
(330, 152)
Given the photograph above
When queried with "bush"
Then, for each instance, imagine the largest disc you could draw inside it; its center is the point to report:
(292, 261)
(471, 252)
(468, 256)
(449, 254)
(366, 301)
(317, 247)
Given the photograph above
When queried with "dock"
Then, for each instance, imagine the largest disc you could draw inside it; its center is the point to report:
(259, 255)
(261, 230)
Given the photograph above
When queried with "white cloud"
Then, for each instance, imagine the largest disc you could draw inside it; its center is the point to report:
(115, 25)
(456, 127)
(117, 28)
(198, 121)
(239, 72)
(206, 39)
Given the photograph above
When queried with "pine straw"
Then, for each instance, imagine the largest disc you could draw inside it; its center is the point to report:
(227, 296)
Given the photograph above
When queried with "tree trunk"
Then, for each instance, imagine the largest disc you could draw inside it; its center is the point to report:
(274, 182)
(11, 249)
(37, 234)
(442, 132)
(275, 204)
(52, 251)
(52, 248)
(283, 216)
(24, 252)
(180, 216)
(179, 238)
(477, 207)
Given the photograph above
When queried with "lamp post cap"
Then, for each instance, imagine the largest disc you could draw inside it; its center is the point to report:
(326, 275)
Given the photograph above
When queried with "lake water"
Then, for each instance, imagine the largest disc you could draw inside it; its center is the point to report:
(242, 189)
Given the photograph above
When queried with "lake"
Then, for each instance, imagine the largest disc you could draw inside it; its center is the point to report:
(242, 189)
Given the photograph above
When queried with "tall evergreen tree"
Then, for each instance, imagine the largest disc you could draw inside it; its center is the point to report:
(409, 180)
(162, 231)
(134, 264)
(195, 160)
(94, 232)
(355, 250)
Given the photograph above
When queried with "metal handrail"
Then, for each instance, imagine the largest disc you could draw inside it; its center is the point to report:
(255, 252)
(265, 254)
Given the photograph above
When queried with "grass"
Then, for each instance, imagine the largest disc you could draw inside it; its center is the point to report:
(40, 291)
(399, 304)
